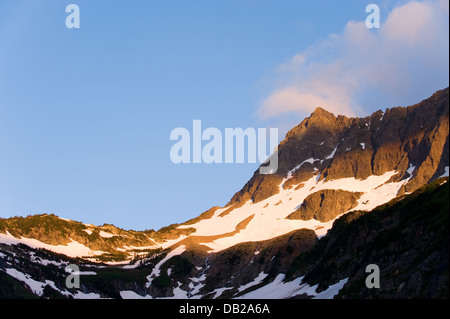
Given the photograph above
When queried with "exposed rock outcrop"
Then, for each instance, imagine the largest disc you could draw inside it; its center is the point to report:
(326, 205)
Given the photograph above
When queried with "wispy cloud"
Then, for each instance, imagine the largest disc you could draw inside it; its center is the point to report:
(403, 60)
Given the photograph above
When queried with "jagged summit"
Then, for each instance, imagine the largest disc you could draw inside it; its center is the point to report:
(320, 112)
(320, 118)
(408, 140)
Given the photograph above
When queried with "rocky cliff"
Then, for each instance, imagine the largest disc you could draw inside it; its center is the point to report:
(410, 140)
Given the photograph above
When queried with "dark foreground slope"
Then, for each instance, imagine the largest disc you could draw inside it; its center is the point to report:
(408, 239)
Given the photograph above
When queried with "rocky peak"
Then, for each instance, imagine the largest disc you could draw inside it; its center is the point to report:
(320, 119)
(321, 115)
(410, 140)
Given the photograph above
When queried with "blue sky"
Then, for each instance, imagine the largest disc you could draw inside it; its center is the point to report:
(86, 114)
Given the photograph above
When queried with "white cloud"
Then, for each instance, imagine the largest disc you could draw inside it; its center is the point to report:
(291, 98)
(348, 73)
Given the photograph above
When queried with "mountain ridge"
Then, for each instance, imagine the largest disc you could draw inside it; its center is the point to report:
(328, 154)
(329, 167)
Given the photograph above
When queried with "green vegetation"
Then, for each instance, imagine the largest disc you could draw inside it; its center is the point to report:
(205, 215)
(171, 232)
(44, 224)
(112, 257)
(53, 230)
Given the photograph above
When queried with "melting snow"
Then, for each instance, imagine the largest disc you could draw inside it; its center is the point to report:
(44, 262)
(269, 222)
(36, 286)
(219, 291)
(278, 289)
(332, 291)
(289, 174)
(255, 282)
(105, 234)
(196, 285)
(411, 169)
(129, 294)
(72, 249)
(332, 153)
(156, 270)
(81, 295)
(378, 196)
(446, 174)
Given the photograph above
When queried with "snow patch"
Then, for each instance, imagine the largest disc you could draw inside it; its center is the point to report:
(45, 262)
(105, 234)
(196, 285)
(378, 196)
(219, 291)
(411, 169)
(157, 269)
(271, 221)
(129, 294)
(72, 249)
(81, 295)
(255, 282)
(332, 153)
(332, 291)
(179, 293)
(36, 286)
(289, 174)
(278, 289)
(446, 173)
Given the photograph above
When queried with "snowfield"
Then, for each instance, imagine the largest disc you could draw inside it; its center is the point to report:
(72, 249)
(38, 287)
(278, 289)
(269, 216)
(270, 221)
